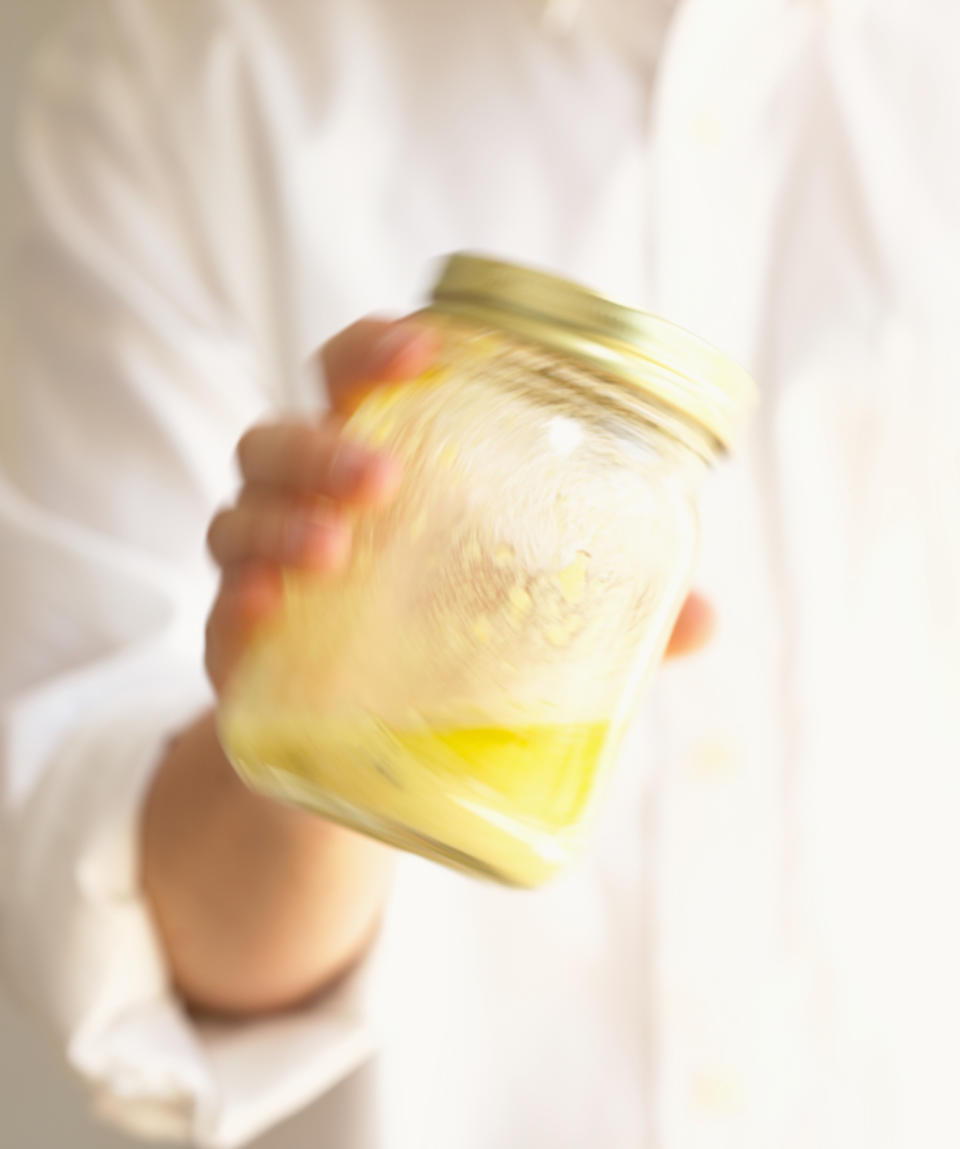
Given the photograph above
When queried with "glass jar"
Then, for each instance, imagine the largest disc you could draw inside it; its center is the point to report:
(460, 690)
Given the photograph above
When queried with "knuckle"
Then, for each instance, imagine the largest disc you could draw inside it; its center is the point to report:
(246, 446)
(210, 627)
(215, 531)
(347, 337)
(344, 353)
(312, 460)
(267, 531)
(263, 533)
(304, 448)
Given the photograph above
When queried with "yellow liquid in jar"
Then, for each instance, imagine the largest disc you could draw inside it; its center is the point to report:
(541, 772)
(507, 802)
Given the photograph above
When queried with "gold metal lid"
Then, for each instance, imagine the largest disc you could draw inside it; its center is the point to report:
(668, 363)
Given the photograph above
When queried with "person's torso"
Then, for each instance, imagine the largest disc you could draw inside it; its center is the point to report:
(736, 961)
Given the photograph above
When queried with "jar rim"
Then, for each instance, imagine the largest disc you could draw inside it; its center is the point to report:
(654, 355)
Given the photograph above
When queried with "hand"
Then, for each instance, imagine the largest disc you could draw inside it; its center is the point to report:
(258, 904)
(300, 483)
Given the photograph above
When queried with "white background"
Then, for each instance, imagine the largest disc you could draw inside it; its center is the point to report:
(38, 1110)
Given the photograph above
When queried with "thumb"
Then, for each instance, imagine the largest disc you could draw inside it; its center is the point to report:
(694, 627)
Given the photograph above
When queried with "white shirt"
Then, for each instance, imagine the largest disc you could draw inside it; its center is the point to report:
(760, 947)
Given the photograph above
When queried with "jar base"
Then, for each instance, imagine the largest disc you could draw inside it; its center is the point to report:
(534, 859)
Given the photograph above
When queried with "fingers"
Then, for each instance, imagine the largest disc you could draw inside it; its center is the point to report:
(319, 460)
(300, 482)
(273, 529)
(694, 627)
(371, 352)
(316, 460)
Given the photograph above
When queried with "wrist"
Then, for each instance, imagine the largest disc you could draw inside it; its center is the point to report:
(258, 904)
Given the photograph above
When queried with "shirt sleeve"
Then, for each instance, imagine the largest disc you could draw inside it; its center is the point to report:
(135, 367)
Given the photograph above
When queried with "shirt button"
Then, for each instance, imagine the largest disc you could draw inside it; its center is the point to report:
(842, 10)
(708, 129)
(718, 1091)
(560, 16)
(717, 759)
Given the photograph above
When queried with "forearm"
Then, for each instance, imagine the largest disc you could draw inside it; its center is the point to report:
(258, 905)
